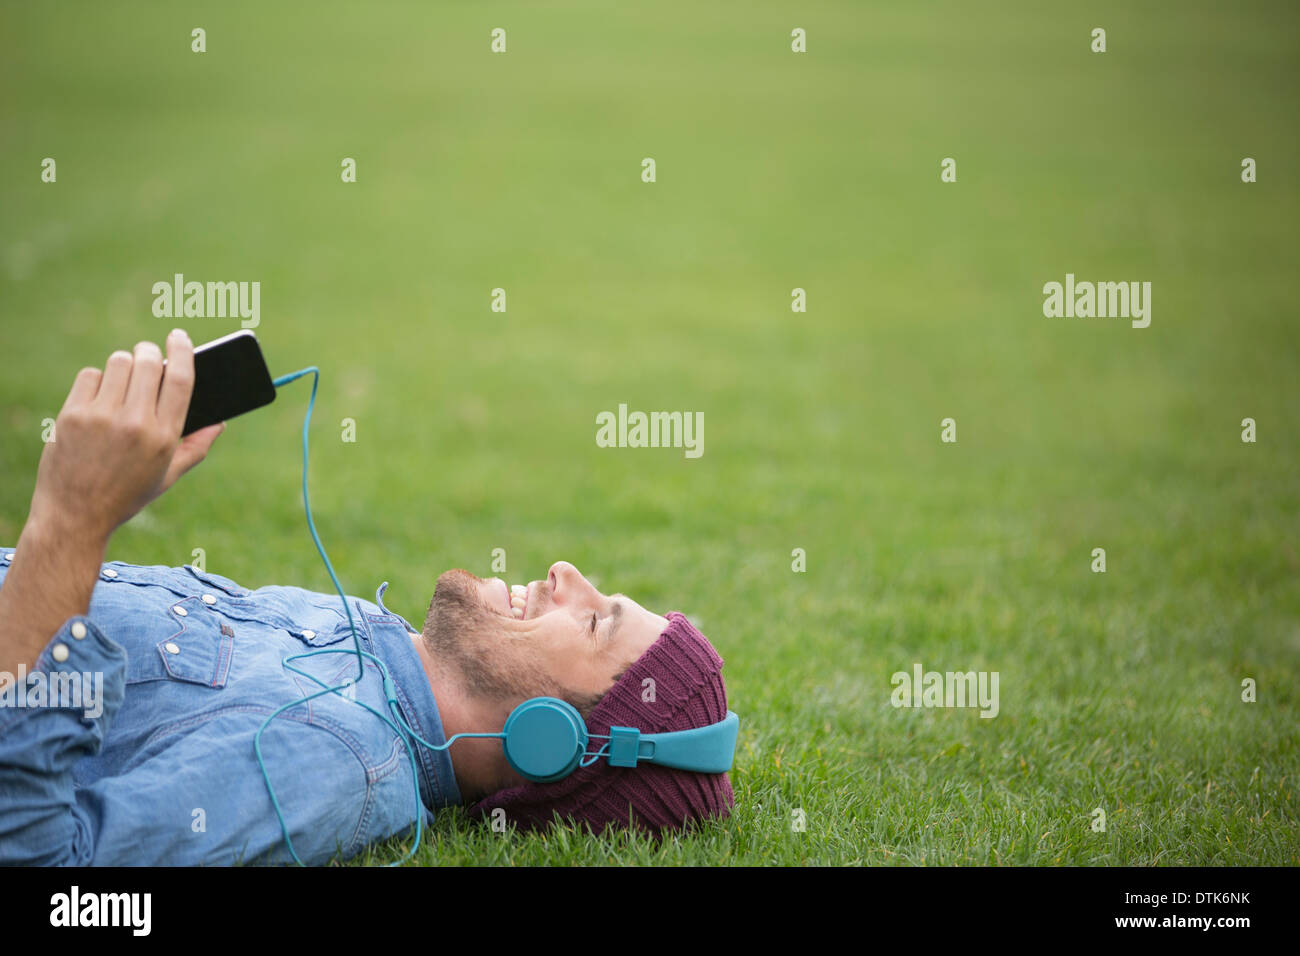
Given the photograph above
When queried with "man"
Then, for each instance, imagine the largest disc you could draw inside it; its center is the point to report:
(133, 695)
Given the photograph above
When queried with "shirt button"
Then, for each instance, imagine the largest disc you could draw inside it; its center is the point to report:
(9, 555)
(78, 630)
(180, 610)
(59, 652)
(209, 599)
(110, 573)
(171, 648)
(309, 634)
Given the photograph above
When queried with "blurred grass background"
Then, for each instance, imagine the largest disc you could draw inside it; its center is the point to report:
(475, 430)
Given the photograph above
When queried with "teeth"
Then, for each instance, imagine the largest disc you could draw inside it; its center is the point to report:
(518, 599)
(517, 611)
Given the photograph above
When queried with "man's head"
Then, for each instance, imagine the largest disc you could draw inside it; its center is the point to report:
(490, 650)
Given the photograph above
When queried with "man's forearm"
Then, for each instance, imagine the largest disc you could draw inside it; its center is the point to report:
(50, 579)
(119, 447)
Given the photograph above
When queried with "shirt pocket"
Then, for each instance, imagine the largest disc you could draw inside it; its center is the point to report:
(187, 644)
(165, 622)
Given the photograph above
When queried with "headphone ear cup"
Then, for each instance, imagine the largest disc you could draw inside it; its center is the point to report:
(544, 739)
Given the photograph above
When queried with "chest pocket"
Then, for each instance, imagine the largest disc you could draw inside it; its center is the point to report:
(168, 637)
(165, 622)
(199, 652)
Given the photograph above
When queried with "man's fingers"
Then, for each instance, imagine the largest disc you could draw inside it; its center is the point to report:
(177, 382)
(192, 450)
(84, 387)
(112, 385)
(146, 373)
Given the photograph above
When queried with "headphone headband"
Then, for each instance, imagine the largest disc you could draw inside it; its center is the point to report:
(701, 749)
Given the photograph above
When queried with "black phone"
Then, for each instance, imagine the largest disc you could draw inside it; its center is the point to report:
(230, 378)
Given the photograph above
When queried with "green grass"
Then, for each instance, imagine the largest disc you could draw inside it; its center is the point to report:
(475, 429)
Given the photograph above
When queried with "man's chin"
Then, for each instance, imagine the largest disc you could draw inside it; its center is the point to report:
(454, 576)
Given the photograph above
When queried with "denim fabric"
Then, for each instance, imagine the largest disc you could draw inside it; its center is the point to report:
(191, 666)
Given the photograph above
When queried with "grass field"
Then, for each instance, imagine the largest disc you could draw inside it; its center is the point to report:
(474, 429)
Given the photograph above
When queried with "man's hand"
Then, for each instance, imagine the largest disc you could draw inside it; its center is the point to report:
(116, 447)
(115, 441)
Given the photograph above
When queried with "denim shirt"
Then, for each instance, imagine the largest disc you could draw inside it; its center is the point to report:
(165, 773)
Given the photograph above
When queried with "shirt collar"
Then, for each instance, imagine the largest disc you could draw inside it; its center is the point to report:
(393, 643)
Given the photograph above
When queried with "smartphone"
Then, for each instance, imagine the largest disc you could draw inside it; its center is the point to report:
(230, 378)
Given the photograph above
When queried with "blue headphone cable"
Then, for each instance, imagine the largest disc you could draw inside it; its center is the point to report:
(361, 655)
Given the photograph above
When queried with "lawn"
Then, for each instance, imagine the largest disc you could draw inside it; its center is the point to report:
(1120, 691)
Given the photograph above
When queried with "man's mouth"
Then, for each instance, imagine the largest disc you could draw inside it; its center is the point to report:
(518, 600)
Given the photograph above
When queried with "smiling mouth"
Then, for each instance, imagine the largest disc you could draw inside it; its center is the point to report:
(518, 600)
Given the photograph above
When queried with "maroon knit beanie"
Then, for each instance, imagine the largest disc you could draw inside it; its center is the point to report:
(688, 693)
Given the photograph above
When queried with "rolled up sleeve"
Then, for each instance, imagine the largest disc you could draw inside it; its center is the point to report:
(50, 718)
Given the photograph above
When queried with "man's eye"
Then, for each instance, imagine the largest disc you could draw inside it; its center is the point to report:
(593, 622)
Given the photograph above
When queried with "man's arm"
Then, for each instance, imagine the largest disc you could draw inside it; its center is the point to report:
(116, 448)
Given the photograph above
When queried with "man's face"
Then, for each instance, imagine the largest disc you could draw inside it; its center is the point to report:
(558, 637)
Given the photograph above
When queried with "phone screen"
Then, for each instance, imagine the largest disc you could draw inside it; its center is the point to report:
(230, 378)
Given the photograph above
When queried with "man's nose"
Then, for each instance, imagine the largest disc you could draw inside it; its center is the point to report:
(567, 583)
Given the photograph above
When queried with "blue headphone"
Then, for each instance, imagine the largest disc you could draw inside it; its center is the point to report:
(545, 738)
